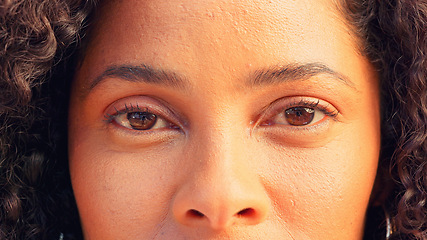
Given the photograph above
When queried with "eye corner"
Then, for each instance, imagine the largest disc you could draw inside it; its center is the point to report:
(108, 118)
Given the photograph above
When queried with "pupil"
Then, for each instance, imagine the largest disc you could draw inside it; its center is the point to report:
(141, 120)
(299, 116)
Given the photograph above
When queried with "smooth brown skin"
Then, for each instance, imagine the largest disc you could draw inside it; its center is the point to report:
(224, 148)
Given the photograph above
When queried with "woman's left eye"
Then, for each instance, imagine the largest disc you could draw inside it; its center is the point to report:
(299, 116)
(140, 120)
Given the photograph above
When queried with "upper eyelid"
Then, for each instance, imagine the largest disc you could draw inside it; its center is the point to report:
(276, 106)
(132, 108)
(129, 104)
(118, 112)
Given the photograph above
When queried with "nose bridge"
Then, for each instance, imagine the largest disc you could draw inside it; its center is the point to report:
(220, 137)
(221, 189)
(223, 150)
(224, 157)
(223, 142)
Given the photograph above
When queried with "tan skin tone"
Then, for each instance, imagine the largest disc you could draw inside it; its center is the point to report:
(267, 122)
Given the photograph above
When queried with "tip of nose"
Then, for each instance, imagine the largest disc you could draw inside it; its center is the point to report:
(217, 208)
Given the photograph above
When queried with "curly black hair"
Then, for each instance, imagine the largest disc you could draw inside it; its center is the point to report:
(394, 38)
(35, 199)
(39, 42)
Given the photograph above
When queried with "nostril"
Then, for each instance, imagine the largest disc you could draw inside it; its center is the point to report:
(247, 212)
(195, 213)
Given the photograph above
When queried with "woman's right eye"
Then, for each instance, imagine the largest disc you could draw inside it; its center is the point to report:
(139, 120)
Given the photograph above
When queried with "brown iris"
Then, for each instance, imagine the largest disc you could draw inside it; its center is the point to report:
(141, 120)
(299, 116)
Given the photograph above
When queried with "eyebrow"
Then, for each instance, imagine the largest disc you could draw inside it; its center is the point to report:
(295, 71)
(269, 76)
(142, 73)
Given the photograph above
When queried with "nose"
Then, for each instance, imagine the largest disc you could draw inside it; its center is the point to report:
(221, 189)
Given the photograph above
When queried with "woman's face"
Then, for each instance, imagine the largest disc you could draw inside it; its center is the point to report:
(223, 120)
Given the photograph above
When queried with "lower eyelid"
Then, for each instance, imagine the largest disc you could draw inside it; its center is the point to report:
(289, 131)
(307, 136)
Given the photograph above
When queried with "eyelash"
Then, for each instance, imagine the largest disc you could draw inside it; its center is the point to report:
(315, 104)
(110, 117)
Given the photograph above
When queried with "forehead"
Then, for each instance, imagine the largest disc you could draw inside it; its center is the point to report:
(208, 38)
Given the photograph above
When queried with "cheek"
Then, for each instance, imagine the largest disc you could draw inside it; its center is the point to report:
(114, 189)
(318, 188)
